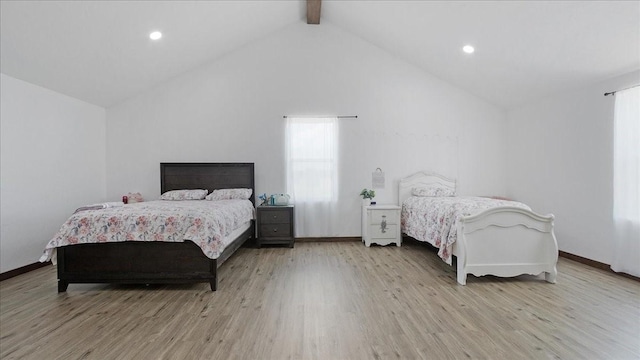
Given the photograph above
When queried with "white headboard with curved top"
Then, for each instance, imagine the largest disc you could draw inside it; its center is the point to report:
(422, 179)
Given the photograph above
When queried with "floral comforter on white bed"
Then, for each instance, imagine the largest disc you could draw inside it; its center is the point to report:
(435, 219)
(206, 223)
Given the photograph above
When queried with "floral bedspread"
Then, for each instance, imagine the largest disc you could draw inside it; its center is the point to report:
(435, 219)
(206, 223)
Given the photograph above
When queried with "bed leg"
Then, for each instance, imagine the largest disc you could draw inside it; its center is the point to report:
(213, 279)
(462, 278)
(62, 285)
(461, 274)
(551, 276)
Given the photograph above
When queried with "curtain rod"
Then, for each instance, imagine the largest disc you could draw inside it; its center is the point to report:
(614, 92)
(339, 117)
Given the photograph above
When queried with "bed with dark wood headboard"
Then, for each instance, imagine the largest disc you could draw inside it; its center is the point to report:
(134, 262)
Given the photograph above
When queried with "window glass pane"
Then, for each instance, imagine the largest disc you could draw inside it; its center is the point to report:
(311, 159)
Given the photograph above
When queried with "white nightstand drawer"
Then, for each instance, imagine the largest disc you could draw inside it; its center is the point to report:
(388, 215)
(390, 232)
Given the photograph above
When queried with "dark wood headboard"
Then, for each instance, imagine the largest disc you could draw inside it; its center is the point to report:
(210, 176)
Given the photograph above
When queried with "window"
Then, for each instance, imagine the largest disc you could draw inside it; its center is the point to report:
(312, 170)
(626, 182)
(312, 174)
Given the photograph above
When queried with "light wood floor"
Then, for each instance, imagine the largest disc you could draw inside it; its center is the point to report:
(327, 301)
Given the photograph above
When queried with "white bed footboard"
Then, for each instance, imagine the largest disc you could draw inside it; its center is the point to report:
(506, 241)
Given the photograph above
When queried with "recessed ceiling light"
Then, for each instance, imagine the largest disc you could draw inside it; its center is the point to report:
(155, 35)
(468, 49)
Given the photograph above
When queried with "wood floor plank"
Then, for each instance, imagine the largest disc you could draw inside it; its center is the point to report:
(327, 301)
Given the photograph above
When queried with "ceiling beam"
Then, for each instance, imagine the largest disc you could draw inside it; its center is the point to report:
(313, 11)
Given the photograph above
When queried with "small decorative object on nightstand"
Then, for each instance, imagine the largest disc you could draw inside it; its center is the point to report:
(275, 225)
(381, 225)
(367, 196)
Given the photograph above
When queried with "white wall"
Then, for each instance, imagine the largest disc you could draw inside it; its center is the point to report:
(52, 161)
(560, 161)
(232, 110)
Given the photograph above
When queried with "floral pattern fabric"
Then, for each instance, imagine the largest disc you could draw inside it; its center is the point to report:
(435, 219)
(179, 195)
(432, 190)
(206, 223)
(226, 194)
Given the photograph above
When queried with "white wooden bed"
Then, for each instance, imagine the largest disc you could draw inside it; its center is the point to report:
(503, 241)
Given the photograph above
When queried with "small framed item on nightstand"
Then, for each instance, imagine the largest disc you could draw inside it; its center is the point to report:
(275, 225)
(381, 225)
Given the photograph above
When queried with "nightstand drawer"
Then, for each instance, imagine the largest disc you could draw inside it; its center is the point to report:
(389, 215)
(275, 217)
(275, 230)
(390, 232)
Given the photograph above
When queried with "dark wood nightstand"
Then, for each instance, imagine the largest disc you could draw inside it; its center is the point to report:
(275, 225)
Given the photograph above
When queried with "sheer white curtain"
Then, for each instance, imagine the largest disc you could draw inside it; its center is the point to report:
(312, 174)
(626, 182)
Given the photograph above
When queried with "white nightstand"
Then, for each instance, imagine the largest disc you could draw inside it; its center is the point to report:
(381, 225)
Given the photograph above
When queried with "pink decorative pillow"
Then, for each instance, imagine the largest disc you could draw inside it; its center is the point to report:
(227, 194)
(432, 191)
(195, 194)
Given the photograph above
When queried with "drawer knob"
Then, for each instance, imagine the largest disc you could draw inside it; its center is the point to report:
(383, 224)
(275, 229)
(275, 216)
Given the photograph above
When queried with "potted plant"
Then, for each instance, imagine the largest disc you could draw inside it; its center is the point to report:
(367, 195)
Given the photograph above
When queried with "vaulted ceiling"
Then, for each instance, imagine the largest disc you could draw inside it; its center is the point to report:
(99, 51)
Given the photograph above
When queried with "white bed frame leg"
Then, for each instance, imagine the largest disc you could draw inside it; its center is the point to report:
(462, 278)
(462, 275)
(551, 276)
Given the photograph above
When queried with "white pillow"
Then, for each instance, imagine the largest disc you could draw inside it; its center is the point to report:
(227, 194)
(432, 191)
(194, 194)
